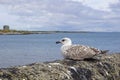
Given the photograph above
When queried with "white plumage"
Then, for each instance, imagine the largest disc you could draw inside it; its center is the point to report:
(77, 52)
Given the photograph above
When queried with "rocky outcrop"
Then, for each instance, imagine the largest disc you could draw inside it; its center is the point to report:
(108, 68)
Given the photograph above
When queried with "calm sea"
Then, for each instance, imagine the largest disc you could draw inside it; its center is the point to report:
(25, 49)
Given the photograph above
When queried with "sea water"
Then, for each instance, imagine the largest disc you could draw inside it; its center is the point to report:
(25, 49)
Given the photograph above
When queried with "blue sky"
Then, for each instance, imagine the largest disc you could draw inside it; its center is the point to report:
(77, 15)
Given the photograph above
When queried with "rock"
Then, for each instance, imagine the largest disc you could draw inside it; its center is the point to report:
(108, 68)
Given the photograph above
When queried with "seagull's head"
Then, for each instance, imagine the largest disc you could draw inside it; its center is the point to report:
(65, 41)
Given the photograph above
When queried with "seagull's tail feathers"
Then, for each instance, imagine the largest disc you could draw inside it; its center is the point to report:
(104, 51)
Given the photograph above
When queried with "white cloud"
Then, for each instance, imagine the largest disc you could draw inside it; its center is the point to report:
(103, 5)
(93, 15)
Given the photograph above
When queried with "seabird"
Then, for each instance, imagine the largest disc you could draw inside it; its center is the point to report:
(78, 52)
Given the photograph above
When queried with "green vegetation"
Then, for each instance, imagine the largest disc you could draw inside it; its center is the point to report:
(7, 31)
(15, 32)
(18, 32)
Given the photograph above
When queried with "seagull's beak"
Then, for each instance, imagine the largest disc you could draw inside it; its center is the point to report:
(58, 42)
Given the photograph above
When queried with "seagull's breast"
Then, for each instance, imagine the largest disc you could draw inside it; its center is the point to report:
(64, 48)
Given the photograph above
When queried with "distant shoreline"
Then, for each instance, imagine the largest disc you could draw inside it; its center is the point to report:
(14, 32)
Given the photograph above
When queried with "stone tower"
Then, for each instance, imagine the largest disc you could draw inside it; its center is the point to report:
(6, 28)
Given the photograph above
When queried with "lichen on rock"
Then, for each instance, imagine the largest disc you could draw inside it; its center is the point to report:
(108, 68)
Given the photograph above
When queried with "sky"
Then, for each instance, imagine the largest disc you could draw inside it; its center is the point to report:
(65, 15)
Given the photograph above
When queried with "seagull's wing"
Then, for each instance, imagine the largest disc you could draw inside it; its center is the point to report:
(97, 51)
(80, 52)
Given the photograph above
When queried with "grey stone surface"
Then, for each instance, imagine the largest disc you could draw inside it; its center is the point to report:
(107, 68)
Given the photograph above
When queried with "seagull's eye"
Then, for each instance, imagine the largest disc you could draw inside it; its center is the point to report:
(63, 40)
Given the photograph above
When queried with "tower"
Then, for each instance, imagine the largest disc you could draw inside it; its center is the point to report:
(6, 28)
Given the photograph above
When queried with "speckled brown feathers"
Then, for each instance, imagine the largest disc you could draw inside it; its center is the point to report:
(80, 52)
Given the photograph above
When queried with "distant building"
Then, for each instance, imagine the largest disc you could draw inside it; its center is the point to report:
(6, 28)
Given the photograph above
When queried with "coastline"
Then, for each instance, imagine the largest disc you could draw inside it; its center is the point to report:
(14, 32)
(23, 32)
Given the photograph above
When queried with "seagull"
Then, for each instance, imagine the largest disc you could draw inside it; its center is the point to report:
(76, 51)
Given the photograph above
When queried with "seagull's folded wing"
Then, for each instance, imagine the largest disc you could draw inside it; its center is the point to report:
(79, 52)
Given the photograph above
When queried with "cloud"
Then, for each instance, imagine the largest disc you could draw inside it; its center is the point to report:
(103, 5)
(61, 14)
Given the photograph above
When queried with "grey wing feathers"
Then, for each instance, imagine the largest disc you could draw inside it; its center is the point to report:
(80, 52)
(97, 51)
